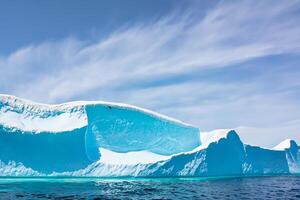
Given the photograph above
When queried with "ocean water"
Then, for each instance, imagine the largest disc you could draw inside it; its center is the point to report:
(273, 187)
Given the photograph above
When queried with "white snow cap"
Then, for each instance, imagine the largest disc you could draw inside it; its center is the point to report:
(27, 115)
(206, 138)
(286, 144)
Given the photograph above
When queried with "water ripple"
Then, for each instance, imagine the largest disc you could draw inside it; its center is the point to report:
(278, 187)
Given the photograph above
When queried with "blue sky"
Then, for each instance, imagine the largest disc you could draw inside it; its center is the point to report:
(215, 64)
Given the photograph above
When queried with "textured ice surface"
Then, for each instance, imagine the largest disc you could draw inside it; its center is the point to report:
(125, 130)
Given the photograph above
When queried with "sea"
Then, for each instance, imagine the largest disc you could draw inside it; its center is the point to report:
(266, 187)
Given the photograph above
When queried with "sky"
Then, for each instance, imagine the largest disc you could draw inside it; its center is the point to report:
(214, 64)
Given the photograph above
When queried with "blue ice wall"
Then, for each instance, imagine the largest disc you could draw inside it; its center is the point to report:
(293, 157)
(224, 157)
(44, 152)
(262, 161)
(228, 156)
(123, 130)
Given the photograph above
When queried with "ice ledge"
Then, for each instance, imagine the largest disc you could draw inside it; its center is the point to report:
(73, 112)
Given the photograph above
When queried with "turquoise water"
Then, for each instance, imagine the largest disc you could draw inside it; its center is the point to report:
(272, 187)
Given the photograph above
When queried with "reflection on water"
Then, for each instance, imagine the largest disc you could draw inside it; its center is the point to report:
(278, 187)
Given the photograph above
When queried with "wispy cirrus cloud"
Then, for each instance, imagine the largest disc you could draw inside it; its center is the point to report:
(145, 64)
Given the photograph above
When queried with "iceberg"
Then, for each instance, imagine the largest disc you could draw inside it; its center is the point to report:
(67, 137)
(292, 152)
(117, 140)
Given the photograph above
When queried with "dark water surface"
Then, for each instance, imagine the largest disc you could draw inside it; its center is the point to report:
(276, 187)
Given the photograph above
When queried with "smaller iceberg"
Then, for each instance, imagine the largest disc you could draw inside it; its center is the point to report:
(292, 151)
(221, 153)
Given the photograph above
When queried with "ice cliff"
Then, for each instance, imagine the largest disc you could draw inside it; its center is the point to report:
(67, 137)
(292, 151)
(110, 139)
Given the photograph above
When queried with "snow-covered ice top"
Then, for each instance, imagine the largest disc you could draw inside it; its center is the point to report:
(213, 136)
(27, 115)
(35, 117)
(286, 144)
